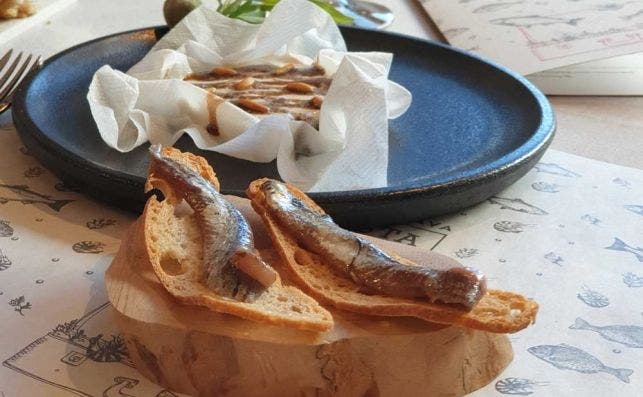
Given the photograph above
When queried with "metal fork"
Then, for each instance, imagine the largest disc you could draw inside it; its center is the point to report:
(11, 76)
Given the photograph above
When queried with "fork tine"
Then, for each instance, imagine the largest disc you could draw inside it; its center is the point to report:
(16, 78)
(7, 73)
(5, 58)
(36, 64)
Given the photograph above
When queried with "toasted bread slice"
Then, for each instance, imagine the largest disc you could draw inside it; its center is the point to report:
(174, 248)
(498, 311)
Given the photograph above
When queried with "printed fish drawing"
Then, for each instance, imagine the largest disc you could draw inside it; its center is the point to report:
(620, 245)
(22, 194)
(5, 262)
(517, 386)
(466, 252)
(637, 14)
(637, 209)
(63, 187)
(628, 335)
(495, 7)
(517, 205)
(632, 280)
(554, 258)
(555, 169)
(593, 298)
(535, 20)
(5, 229)
(622, 182)
(545, 187)
(568, 357)
(510, 227)
(590, 219)
(609, 7)
(451, 33)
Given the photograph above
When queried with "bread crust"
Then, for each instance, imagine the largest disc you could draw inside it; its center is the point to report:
(164, 237)
(498, 311)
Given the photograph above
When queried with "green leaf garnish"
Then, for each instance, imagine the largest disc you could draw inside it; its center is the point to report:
(254, 11)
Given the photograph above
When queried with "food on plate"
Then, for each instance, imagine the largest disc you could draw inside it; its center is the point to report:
(297, 90)
(201, 249)
(228, 242)
(341, 269)
(285, 91)
(10, 9)
(364, 263)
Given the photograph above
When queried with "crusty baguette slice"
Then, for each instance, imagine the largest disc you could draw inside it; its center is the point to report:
(498, 311)
(174, 249)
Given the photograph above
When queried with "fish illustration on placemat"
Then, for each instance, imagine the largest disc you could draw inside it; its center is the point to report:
(632, 280)
(5, 262)
(535, 20)
(554, 258)
(493, 7)
(5, 229)
(620, 245)
(593, 298)
(637, 14)
(517, 205)
(66, 187)
(545, 187)
(622, 182)
(590, 219)
(555, 169)
(637, 209)
(22, 194)
(563, 356)
(628, 335)
(510, 226)
(451, 33)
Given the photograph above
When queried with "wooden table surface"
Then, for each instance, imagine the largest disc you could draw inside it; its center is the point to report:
(602, 128)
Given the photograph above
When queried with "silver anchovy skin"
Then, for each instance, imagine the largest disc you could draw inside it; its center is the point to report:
(226, 232)
(367, 265)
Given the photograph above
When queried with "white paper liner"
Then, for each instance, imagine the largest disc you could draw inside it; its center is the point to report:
(349, 151)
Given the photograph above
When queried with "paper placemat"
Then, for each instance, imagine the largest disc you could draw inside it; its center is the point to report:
(568, 234)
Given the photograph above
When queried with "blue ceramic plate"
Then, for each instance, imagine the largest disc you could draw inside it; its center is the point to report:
(473, 129)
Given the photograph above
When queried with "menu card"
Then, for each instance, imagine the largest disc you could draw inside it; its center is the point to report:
(567, 47)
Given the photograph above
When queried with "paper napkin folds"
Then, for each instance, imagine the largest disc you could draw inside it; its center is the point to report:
(151, 102)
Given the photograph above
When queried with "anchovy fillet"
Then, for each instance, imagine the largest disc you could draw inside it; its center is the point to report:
(367, 265)
(227, 237)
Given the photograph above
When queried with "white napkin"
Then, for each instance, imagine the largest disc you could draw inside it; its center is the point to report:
(152, 102)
